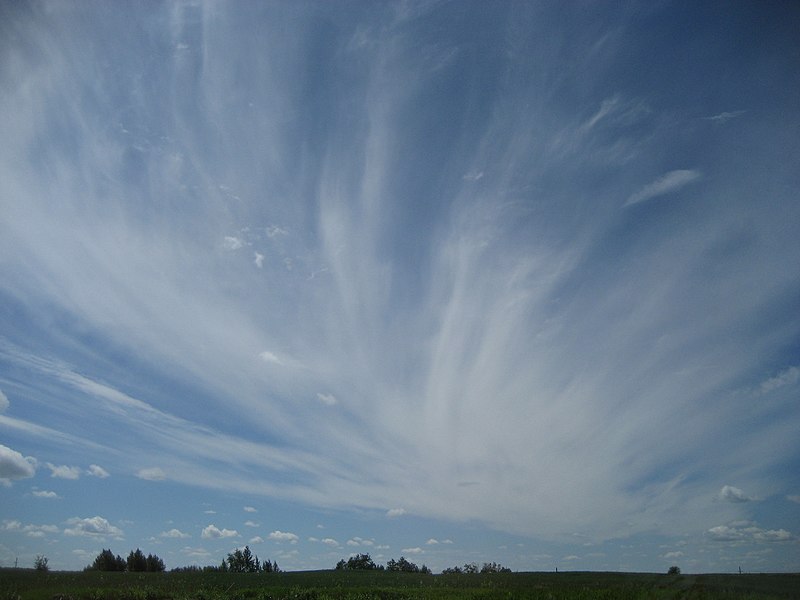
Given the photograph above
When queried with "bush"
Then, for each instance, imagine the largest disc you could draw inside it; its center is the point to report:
(673, 570)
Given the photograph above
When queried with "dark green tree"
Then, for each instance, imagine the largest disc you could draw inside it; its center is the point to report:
(359, 562)
(106, 561)
(402, 565)
(243, 561)
(494, 567)
(40, 564)
(154, 564)
(673, 570)
(137, 562)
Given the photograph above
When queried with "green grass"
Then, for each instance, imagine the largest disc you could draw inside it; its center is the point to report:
(338, 585)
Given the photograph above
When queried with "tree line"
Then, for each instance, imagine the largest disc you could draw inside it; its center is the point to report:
(364, 562)
(136, 562)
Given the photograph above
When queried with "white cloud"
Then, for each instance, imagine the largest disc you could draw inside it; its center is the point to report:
(282, 536)
(328, 399)
(15, 466)
(270, 357)
(571, 557)
(729, 493)
(275, 231)
(257, 540)
(668, 183)
(473, 176)
(393, 513)
(92, 527)
(787, 377)
(64, 471)
(35, 531)
(174, 533)
(724, 117)
(673, 554)
(212, 532)
(250, 509)
(152, 474)
(794, 498)
(44, 494)
(232, 243)
(416, 550)
(97, 471)
(258, 259)
(747, 532)
(3, 402)
(252, 524)
(330, 542)
(432, 541)
(352, 543)
(447, 541)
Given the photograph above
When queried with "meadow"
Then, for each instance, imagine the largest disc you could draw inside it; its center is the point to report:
(352, 585)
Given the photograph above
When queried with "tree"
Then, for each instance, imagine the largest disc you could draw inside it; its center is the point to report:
(359, 562)
(470, 568)
(40, 564)
(494, 567)
(136, 562)
(106, 561)
(244, 561)
(402, 565)
(673, 570)
(154, 564)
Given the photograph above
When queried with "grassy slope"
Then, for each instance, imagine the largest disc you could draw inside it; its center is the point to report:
(323, 585)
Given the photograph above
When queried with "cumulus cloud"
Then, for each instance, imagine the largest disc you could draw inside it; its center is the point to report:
(174, 533)
(432, 541)
(251, 524)
(666, 184)
(787, 377)
(329, 542)
(3, 402)
(44, 494)
(728, 493)
(415, 550)
(152, 474)
(97, 471)
(250, 509)
(673, 554)
(15, 466)
(393, 513)
(64, 471)
(92, 527)
(258, 259)
(745, 531)
(212, 532)
(282, 536)
(35, 531)
(328, 399)
(257, 540)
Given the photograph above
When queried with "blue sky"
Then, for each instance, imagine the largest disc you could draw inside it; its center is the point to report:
(459, 281)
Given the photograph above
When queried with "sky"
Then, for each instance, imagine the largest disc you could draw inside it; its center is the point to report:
(455, 281)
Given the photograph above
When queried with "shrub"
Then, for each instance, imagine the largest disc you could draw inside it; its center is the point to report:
(673, 570)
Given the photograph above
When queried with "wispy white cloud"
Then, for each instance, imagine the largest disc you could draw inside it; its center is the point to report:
(252, 524)
(393, 513)
(4, 403)
(415, 550)
(724, 117)
(35, 531)
(666, 184)
(250, 509)
(328, 399)
(785, 378)
(152, 474)
(232, 243)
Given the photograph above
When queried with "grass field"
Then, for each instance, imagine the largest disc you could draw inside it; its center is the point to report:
(338, 585)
